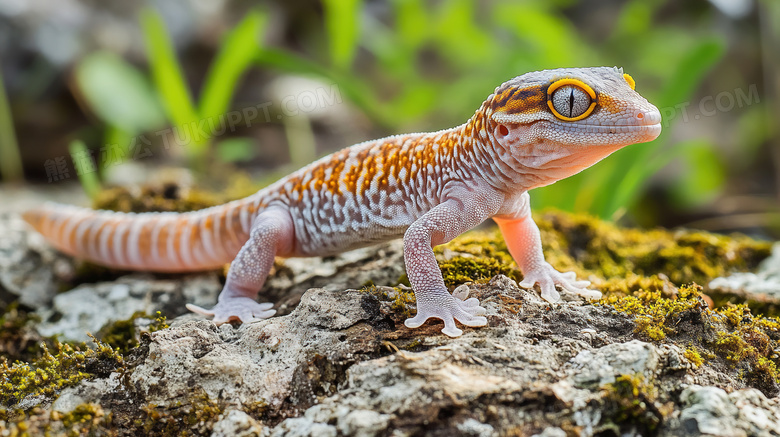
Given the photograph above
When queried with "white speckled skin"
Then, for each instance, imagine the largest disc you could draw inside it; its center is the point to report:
(427, 187)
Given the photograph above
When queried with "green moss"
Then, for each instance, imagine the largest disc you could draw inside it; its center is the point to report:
(50, 373)
(123, 334)
(693, 356)
(413, 345)
(657, 316)
(631, 402)
(168, 197)
(18, 338)
(750, 347)
(401, 299)
(606, 251)
(733, 347)
(193, 417)
(474, 257)
(85, 419)
(460, 270)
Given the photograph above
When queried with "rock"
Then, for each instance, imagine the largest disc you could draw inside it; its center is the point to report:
(757, 414)
(708, 411)
(282, 362)
(237, 423)
(87, 391)
(30, 269)
(761, 286)
(711, 411)
(381, 265)
(596, 368)
(89, 307)
(552, 431)
(471, 427)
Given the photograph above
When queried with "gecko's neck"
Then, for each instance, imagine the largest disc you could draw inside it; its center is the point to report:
(487, 159)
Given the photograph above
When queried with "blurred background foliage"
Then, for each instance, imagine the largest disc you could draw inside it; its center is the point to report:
(157, 83)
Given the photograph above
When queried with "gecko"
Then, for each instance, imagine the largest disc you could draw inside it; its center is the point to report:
(428, 188)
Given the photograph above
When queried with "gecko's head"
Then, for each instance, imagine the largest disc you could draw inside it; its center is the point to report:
(582, 113)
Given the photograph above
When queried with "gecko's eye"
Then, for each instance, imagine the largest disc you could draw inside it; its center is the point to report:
(571, 99)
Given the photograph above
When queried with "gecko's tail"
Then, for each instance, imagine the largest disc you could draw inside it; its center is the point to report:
(163, 242)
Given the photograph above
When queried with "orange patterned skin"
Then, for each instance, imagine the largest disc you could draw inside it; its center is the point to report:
(429, 187)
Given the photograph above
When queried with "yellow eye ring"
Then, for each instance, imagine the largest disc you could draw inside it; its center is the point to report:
(576, 83)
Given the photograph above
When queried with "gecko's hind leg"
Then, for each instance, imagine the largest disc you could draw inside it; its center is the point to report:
(271, 234)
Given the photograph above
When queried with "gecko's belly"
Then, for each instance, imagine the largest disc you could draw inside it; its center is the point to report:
(320, 238)
(332, 243)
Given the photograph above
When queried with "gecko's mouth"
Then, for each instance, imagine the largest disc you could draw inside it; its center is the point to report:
(601, 129)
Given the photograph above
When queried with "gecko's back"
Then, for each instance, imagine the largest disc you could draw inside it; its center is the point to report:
(356, 197)
(367, 193)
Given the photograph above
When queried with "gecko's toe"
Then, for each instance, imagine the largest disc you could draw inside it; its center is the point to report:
(451, 330)
(449, 309)
(242, 309)
(416, 321)
(473, 321)
(461, 292)
(199, 310)
(549, 293)
(468, 303)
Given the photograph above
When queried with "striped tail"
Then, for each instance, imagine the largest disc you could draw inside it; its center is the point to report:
(161, 242)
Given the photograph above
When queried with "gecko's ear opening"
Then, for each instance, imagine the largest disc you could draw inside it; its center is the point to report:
(502, 131)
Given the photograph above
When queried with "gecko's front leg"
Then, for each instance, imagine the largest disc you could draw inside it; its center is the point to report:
(440, 225)
(525, 244)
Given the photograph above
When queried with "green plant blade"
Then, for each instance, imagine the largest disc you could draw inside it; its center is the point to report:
(118, 93)
(236, 149)
(690, 72)
(10, 160)
(236, 54)
(167, 74)
(88, 175)
(342, 27)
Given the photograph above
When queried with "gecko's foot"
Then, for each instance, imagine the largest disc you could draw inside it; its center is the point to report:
(547, 278)
(449, 308)
(244, 309)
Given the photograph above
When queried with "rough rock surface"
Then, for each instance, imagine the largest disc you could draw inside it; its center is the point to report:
(342, 363)
(89, 307)
(30, 270)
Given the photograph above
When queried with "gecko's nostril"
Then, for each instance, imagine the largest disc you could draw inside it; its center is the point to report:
(648, 117)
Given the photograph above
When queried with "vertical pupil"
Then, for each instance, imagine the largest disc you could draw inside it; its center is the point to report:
(571, 102)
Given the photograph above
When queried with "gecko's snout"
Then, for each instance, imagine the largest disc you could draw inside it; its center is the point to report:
(648, 117)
